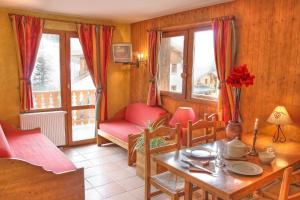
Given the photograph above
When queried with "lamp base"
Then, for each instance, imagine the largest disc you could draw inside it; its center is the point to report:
(279, 135)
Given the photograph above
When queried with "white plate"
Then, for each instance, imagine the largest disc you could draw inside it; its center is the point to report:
(244, 168)
(199, 153)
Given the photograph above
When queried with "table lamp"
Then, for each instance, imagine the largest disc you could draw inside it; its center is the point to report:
(279, 117)
(182, 115)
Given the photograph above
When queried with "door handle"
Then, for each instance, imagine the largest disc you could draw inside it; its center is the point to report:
(183, 75)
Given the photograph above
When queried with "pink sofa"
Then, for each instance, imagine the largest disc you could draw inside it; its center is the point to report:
(127, 125)
(36, 156)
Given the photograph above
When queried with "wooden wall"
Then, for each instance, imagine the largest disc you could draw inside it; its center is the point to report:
(268, 35)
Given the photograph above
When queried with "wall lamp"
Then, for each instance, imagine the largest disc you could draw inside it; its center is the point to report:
(139, 60)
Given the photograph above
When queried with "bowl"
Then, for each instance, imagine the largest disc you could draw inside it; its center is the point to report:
(266, 157)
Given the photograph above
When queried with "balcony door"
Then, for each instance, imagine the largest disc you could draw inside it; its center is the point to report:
(61, 81)
(80, 94)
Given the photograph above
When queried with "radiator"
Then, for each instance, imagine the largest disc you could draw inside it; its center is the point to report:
(52, 124)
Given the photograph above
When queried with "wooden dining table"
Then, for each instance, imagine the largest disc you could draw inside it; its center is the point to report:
(227, 185)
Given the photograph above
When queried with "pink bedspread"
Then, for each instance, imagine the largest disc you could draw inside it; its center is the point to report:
(37, 149)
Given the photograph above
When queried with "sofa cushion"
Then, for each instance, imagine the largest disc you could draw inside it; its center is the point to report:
(37, 149)
(5, 151)
(141, 114)
(120, 129)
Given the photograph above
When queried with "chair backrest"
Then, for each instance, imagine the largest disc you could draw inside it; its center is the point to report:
(173, 144)
(284, 190)
(207, 127)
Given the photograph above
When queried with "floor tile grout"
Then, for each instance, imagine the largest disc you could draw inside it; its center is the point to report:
(112, 160)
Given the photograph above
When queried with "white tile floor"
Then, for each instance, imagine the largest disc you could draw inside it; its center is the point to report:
(107, 175)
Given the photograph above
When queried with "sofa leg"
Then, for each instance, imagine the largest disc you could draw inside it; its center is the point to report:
(101, 140)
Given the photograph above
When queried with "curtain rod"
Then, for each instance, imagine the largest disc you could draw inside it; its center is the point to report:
(193, 25)
(224, 17)
(62, 20)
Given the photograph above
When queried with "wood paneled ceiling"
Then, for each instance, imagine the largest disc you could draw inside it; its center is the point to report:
(127, 11)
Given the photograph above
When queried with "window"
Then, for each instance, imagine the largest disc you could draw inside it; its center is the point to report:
(174, 69)
(204, 76)
(195, 46)
(82, 94)
(45, 77)
(171, 62)
(82, 86)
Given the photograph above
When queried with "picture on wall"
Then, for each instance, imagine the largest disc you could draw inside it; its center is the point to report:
(122, 52)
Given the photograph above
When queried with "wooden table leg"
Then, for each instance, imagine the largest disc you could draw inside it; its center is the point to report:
(206, 195)
(188, 192)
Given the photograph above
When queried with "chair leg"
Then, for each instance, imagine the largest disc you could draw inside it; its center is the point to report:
(147, 189)
(175, 197)
(188, 191)
(206, 195)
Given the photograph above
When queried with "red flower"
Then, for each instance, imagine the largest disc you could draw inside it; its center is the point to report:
(240, 76)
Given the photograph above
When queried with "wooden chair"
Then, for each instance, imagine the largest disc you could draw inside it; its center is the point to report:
(165, 182)
(287, 189)
(209, 127)
(206, 126)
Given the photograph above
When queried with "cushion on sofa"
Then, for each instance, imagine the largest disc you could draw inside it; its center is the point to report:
(5, 151)
(120, 128)
(37, 149)
(141, 114)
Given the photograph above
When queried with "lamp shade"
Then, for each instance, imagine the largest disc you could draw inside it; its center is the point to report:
(182, 116)
(280, 116)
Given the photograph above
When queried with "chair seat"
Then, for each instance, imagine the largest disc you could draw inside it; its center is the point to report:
(171, 182)
(272, 190)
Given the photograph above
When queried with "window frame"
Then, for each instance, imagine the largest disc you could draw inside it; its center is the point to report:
(190, 67)
(69, 107)
(184, 33)
(63, 81)
(188, 33)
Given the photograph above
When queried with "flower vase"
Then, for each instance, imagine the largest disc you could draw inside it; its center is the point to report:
(233, 129)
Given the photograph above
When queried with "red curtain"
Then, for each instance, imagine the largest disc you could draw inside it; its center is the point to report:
(106, 33)
(225, 48)
(154, 39)
(28, 31)
(96, 44)
(87, 37)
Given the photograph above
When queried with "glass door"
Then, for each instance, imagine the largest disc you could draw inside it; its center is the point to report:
(46, 75)
(81, 93)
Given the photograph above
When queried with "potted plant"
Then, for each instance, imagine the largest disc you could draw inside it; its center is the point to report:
(238, 77)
